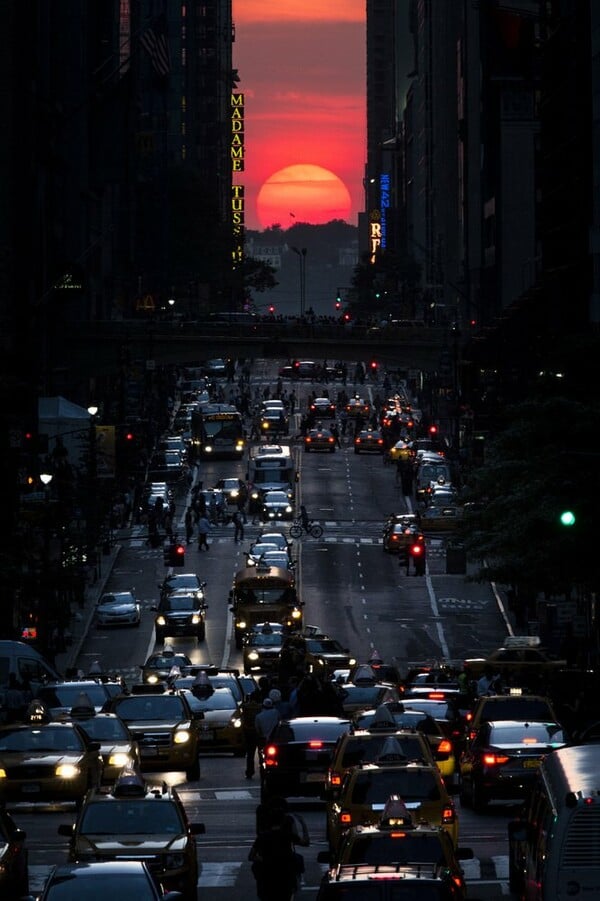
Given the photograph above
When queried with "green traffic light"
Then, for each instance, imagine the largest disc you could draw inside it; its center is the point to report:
(567, 518)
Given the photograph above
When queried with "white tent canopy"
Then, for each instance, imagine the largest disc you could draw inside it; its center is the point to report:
(66, 424)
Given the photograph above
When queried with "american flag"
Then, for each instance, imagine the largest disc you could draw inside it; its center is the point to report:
(155, 43)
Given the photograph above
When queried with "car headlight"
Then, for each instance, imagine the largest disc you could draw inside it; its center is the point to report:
(352, 661)
(196, 619)
(288, 509)
(120, 759)
(174, 861)
(152, 680)
(67, 771)
(2, 773)
(242, 624)
(234, 493)
(253, 655)
(296, 613)
(181, 737)
(208, 449)
(161, 621)
(236, 722)
(255, 495)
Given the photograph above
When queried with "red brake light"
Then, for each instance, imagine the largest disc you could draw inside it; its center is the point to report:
(495, 759)
(315, 744)
(346, 818)
(448, 815)
(397, 834)
(336, 779)
(435, 695)
(445, 747)
(270, 751)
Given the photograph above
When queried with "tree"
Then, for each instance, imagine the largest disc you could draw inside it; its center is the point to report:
(542, 461)
(258, 275)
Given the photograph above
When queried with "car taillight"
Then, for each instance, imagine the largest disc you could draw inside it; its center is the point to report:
(491, 759)
(435, 695)
(336, 779)
(315, 745)
(448, 815)
(345, 818)
(445, 747)
(270, 755)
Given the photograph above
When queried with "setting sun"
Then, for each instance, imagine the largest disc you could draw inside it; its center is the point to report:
(302, 193)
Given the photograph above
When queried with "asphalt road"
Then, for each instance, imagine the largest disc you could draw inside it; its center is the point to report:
(353, 590)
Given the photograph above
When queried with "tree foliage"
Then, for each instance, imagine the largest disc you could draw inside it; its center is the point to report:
(542, 462)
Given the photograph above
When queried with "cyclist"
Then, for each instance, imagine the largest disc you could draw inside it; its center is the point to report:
(304, 519)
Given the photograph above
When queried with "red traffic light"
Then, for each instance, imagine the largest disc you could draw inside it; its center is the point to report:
(129, 436)
(338, 305)
(271, 309)
(433, 430)
(373, 364)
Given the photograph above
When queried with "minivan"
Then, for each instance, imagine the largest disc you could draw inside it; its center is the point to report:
(27, 664)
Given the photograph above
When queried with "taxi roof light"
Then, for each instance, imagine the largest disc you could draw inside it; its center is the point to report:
(83, 707)
(395, 813)
(129, 783)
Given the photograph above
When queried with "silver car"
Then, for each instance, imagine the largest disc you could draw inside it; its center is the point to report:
(118, 608)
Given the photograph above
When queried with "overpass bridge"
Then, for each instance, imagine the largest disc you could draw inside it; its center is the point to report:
(107, 345)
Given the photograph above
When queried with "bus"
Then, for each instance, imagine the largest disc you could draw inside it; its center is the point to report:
(554, 853)
(217, 431)
(271, 467)
(262, 594)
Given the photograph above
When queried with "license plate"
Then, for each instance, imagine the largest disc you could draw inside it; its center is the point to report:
(30, 788)
(531, 764)
(148, 752)
(313, 777)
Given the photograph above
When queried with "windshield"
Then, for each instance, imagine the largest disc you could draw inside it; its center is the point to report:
(267, 596)
(131, 817)
(183, 603)
(41, 739)
(105, 729)
(410, 784)
(155, 707)
(68, 695)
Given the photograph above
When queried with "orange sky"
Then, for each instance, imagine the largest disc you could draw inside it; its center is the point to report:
(302, 71)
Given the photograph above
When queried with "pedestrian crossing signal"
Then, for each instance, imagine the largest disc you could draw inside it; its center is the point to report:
(174, 555)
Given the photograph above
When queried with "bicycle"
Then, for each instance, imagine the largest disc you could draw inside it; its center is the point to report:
(313, 529)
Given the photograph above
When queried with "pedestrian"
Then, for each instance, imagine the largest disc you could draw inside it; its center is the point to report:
(251, 706)
(238, 524)
(189, 525)
(336, 433)
(204, 527)
(266, 721)
(276, 865)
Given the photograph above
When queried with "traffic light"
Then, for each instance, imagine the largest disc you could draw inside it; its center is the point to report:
(175, 555)
(338, 304)
(373, 365)
(433, 430)
(271, 309)
(567, 518)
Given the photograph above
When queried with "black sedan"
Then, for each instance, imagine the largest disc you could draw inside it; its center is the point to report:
(276, 506)
(501, 761)
(97, 880)
(295, 760)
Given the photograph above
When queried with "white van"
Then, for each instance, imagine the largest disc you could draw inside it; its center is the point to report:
(270, 468)
(554, 854)
(27, 664)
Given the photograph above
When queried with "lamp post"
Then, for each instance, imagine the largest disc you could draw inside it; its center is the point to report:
(302, 259)
(92, 474)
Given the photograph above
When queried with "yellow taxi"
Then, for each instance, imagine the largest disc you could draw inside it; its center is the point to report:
(357, 406)
(42, 761)
(138, 820)
(366, 788)
(401, 450)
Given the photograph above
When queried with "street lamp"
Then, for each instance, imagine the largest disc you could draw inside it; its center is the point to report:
(302, 259)
(92, 473)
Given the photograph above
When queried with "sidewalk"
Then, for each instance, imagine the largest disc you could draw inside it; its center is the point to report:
(81, 619)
